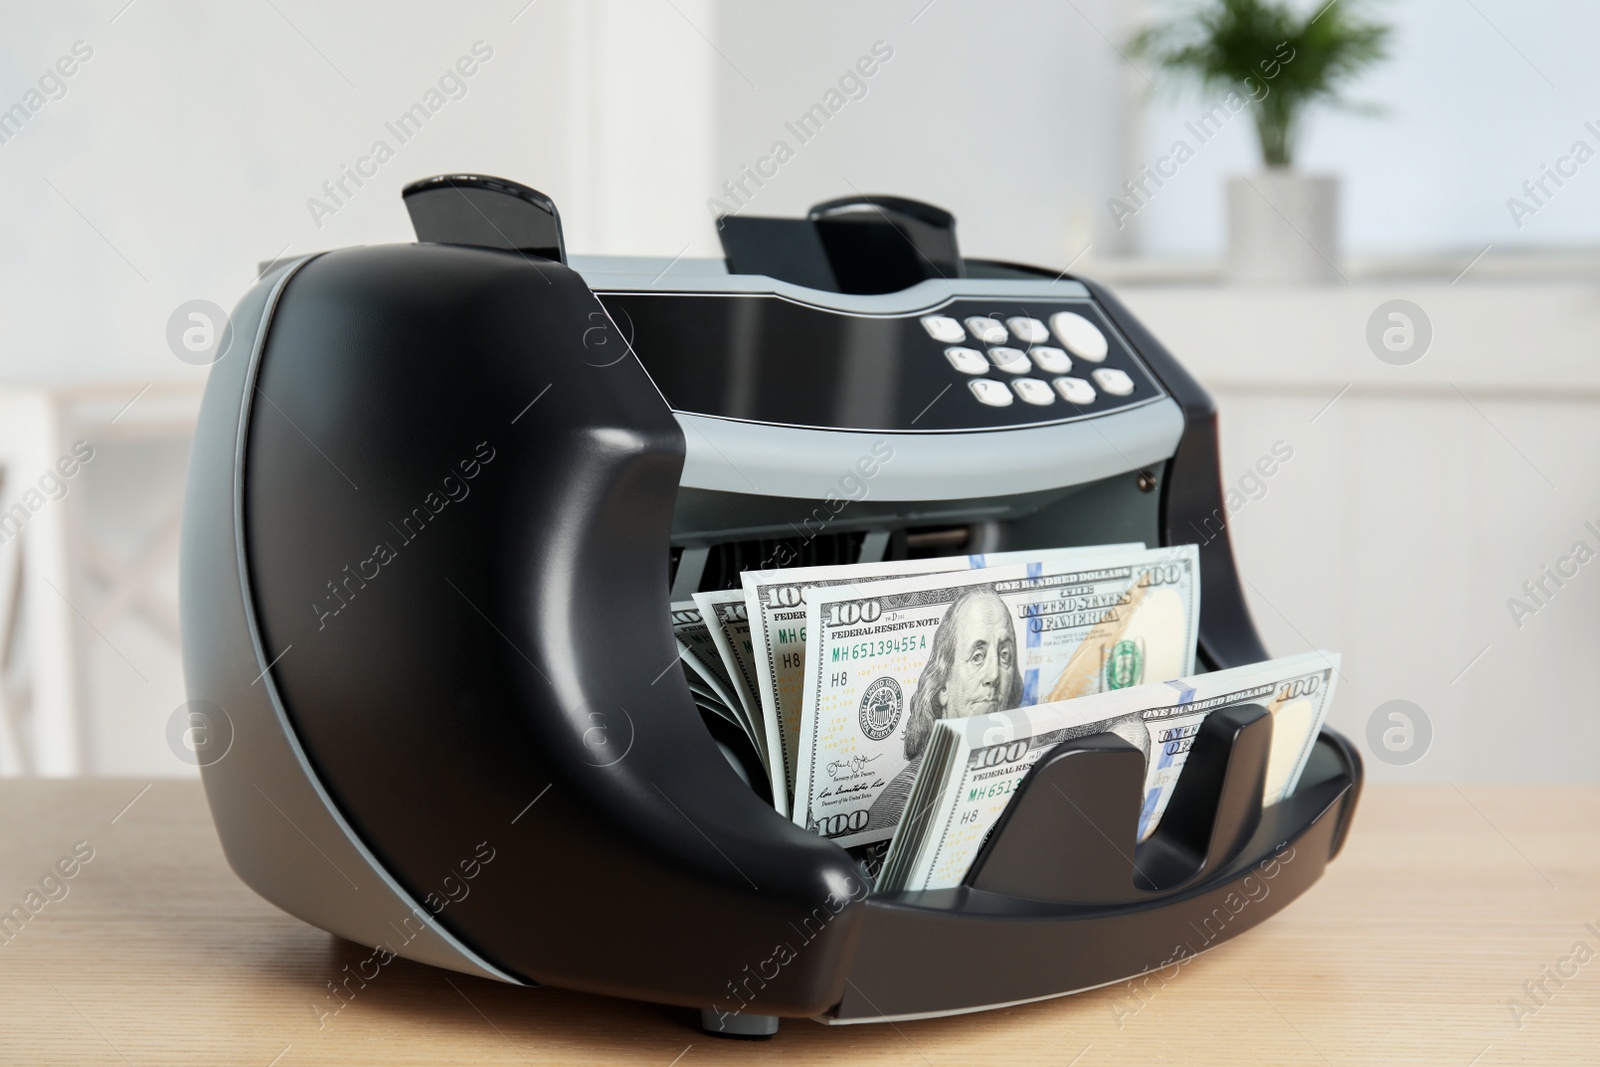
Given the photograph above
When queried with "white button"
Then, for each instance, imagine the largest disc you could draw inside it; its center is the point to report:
(1113, 381)
(1034, 391)
(1013, 360)
(967, 360)
(1028, 331)
(943, 328)
(1075, 391)
(1050, 360)
(990, 392)
(1082, 337)
(987, 330)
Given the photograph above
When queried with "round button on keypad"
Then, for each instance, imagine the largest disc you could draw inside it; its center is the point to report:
(1081, 337)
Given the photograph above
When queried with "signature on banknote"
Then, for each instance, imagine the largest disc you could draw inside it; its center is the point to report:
(854, 767)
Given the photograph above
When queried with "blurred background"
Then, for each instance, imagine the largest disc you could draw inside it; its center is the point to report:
(1410, 309)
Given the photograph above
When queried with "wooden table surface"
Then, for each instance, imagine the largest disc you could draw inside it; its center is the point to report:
(1445, 902)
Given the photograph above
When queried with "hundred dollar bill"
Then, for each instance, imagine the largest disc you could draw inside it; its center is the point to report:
(889, 659)
(706, 694)
(695, 643)
(974, 766)
(775, 604)
(706, 678)
(728, 624)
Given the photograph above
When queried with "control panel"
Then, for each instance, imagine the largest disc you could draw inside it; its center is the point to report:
(970, 363)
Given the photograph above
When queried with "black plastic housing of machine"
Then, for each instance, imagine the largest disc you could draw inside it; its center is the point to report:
(439, 499)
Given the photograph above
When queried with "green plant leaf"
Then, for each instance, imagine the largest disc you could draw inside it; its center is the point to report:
(1283, 60)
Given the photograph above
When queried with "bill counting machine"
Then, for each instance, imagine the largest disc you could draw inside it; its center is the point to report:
(443, 492)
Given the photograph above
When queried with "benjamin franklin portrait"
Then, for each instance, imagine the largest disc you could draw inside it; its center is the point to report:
(971, 670)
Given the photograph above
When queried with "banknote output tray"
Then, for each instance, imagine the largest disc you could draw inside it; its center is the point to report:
(1062, 899)
(439, 493)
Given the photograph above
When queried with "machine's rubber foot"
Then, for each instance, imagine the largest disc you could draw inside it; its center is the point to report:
(738, 1025)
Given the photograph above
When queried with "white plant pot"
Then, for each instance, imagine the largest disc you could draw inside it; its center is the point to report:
(1283, 228)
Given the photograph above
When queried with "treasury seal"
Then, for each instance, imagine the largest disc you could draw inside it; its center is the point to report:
(881, 705)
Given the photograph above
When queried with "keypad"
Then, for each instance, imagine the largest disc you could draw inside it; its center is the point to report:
(1033, 361)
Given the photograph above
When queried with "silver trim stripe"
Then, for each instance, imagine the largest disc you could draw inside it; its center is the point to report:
(474, 964)
(754, 459)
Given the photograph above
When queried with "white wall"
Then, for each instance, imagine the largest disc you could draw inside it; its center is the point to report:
(1012, 115)
(1465, 121)
(187, 147)
(1416, 506)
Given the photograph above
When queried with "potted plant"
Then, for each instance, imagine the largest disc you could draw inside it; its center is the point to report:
(1277, 62)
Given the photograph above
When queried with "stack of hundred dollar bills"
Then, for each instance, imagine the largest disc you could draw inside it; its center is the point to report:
(896, 707)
